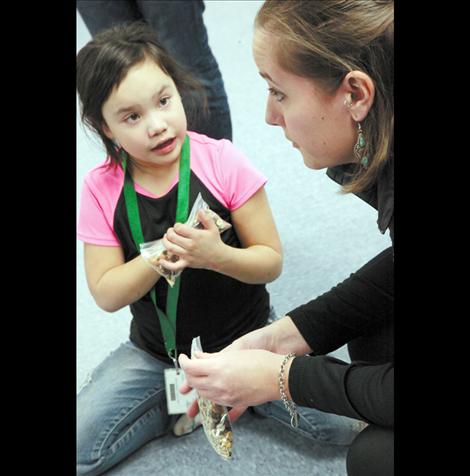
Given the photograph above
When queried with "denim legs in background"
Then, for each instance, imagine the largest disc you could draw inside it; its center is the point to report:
(179, 25)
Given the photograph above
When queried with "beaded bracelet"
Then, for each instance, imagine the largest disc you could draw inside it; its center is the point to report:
(289, 404)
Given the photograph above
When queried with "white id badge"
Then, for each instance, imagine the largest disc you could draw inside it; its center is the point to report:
(176, 402)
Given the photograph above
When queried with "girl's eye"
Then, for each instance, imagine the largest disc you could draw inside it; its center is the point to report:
(277, 94)
(164, 101)
(132, 118)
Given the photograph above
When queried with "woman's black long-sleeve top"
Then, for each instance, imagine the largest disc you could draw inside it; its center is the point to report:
(359, 312)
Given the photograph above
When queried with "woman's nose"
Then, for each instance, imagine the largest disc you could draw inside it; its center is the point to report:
(273, 116)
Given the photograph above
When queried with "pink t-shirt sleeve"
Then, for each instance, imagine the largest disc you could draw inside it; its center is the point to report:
(225, 170)
(96, 214)
(241, 179)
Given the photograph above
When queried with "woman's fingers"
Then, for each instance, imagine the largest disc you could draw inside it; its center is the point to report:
(236, 412)
(185, 388)
(197, 367)
(193, 409)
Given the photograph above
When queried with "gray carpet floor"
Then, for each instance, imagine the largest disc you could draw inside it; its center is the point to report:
(325, 235)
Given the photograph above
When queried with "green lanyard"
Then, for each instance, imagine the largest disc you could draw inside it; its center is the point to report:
(168, 320)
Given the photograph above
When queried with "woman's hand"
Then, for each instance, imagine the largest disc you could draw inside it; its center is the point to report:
(280, 337)
(233, 378)
(195, 248)
(262, 339)
(258, 339)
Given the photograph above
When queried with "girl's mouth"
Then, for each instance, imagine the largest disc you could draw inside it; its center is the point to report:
(165, 147)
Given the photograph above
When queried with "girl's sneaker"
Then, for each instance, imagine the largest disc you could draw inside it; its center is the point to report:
(186, 425)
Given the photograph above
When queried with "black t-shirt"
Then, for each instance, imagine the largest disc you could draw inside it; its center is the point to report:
(211, 305)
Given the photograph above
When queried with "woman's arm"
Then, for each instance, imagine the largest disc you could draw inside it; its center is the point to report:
(280, 337)
(260, 259)
(351, 308)
(113, 283)
(358, 389)
(251, 377)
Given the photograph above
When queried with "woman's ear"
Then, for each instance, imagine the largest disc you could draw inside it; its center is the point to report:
(359, 90)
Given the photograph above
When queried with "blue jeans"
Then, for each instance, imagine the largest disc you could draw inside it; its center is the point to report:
(180, 27)
(122, 406)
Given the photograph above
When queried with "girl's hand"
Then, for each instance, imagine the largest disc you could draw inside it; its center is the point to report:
(236, 378)
(195, 248)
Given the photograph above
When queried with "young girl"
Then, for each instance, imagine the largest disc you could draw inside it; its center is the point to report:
(129, 90)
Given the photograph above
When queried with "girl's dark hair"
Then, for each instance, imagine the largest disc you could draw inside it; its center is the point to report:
(325, 39)
(104, 62)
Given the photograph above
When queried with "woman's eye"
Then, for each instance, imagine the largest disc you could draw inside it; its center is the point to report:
(277, 94)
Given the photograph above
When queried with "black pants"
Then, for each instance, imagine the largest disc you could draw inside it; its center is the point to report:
(371, 453)
(179, 26)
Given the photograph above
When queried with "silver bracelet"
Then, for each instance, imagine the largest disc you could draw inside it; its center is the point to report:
(289, 404)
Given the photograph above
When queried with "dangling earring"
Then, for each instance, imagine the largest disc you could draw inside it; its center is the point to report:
(360, 144)
(359, 147)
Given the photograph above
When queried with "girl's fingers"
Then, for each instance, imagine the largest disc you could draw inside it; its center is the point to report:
(183, 231)
(175, 267)
(206, 221)
(176, 244)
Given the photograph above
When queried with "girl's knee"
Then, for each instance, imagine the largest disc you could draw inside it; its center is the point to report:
(91, 437)
(87, 458)
(85, 469)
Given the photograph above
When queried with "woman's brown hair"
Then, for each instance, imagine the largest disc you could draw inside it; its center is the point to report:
(104, 62)
(324, 40)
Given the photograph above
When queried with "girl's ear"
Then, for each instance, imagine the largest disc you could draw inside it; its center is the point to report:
(107, 132)
(359, 91)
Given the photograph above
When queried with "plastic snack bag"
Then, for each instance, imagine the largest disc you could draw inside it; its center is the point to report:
(215, 418)
(154, 251)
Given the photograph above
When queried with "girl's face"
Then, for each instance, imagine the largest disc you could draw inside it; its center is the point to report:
(317, 124)
(145, 115)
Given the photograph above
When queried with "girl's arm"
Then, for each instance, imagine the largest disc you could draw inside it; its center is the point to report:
(113, 283)
(258, 262)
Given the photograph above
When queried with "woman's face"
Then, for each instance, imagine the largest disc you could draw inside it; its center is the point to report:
(145, 115)
(317, 123)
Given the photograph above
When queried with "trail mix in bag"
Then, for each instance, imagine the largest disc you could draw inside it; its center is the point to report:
(215, 418)
(154, 251)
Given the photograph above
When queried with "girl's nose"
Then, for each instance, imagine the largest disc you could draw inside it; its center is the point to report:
(156, 125)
